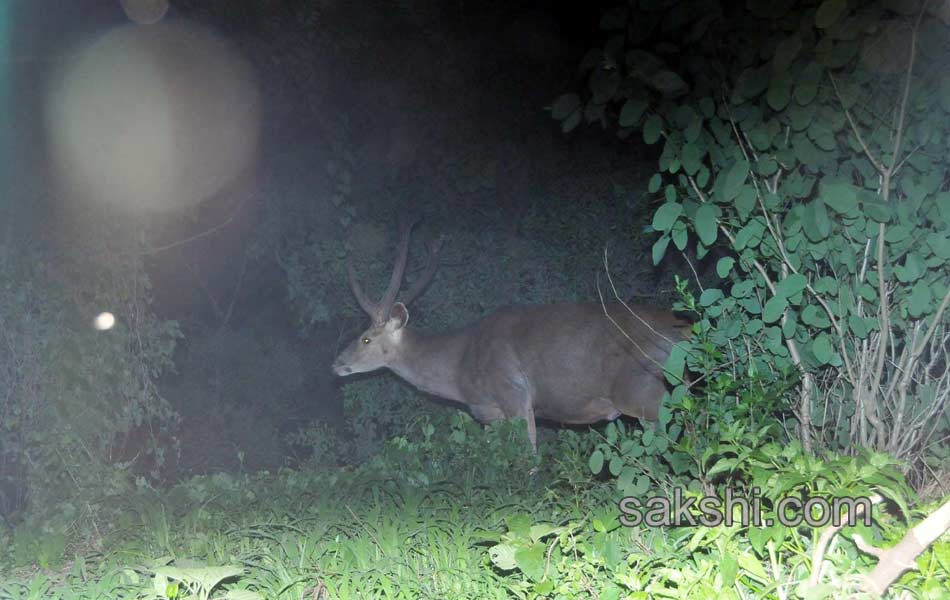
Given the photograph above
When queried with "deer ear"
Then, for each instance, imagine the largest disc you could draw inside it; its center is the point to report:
(398, 317)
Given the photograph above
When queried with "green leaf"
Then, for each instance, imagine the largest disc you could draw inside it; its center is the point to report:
(674, 366)
(648, 437)
(920, 301)
(652, 129)
(596, 462)
(680, 236)
(710, 296)
(735, 177)
(840, 197)
(780, 91)
(519, 525)
(503, 556)
(655, 182)
(659, 248)
(876, 209)
(751, 83)
(724, 266)
(742, 289)
(791, 285)
(807, 153)
(751, 564)
(829, 12)
(858, 326)
(693, 128)
(668, 83)
(807, 84)
(670, 193)
(531, 561)
(745, 201)
(540, 531)
(751, 305)
(640, 486)
(706, 223)
(790, 324)
(723, 465)
(632, 111)
(815, 221)
(786, 52)
(822, 349)
(897, 233)
(692, 157)
(939, 243)
(625, 479)
(912, 269)
(666, 215)
(758, 537)
(774, 309)
(615, 465)
(728, 568)
(749, 236)
(544, 588)
(565, 105)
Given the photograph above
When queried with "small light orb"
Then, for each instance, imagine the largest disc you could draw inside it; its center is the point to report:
(104, 321)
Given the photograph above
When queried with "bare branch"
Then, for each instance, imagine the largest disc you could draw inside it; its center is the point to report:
(198, 236)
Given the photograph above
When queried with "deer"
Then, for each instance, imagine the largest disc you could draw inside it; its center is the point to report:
(571, 363)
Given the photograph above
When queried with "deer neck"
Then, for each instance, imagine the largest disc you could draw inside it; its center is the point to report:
(431, 362)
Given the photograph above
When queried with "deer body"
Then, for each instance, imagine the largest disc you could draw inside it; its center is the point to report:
(562, 362)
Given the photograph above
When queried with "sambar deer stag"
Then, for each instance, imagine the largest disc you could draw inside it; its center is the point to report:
(568, 363)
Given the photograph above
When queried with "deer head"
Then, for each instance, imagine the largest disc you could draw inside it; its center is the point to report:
(379, 345)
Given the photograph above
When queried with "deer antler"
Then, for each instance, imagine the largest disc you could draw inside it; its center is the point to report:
(379, 311)
(434, 246)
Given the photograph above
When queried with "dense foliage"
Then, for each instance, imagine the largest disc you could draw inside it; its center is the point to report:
(80, 416)
(810, 142)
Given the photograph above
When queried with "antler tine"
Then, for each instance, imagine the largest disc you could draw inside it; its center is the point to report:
(399, 267)
(365, 303)
(435, 246)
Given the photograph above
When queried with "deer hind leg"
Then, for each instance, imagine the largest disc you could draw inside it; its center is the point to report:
(511, 399)
(532, 427)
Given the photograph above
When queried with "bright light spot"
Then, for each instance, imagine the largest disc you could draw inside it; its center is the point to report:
(152, 118)
(104, 321)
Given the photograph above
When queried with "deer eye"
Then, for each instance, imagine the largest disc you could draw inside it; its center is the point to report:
(365, 340)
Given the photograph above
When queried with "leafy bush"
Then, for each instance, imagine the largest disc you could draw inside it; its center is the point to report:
(807, 141)
(80, 411)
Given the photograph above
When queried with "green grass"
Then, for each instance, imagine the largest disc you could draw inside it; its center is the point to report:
(488, 532)
(298, 534)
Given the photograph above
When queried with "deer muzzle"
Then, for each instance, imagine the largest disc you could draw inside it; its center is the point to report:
(341, 369)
